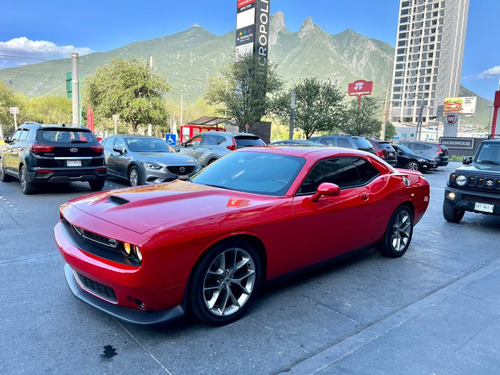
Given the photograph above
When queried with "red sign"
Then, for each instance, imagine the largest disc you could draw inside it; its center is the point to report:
(242, 3)
(360, 88)
(451, 118)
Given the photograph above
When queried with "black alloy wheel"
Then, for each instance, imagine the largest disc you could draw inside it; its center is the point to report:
(4, 177)
(26, 187)
(225, 283)
(412, 165)
(397, 237)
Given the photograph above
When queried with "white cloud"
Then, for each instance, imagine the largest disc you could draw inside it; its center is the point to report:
(22, 51)
(490, 73)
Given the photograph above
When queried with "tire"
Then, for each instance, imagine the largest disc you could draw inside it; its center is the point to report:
(451, 213)
(4, 177)
(412, 165)
(397, 237)
(26, 186)
(225, 283)
(97, 185)
(134, 176)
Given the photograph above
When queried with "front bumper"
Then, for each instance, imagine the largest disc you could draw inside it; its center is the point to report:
(466, 200)
(125, 314)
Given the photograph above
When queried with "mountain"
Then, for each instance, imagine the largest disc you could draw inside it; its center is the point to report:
(187, 60)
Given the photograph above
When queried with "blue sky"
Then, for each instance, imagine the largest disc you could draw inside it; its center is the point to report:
(48, 29)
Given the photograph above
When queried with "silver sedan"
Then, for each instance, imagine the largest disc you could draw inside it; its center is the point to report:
(145, 160)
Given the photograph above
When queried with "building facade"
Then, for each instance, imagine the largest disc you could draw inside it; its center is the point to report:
(428, 58)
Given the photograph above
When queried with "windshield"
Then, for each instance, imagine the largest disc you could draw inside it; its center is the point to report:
(405, 149)
(489, 154)
(252, 172)
(141, 144)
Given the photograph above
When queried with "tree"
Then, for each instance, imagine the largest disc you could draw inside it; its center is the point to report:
(7, 100)
(363, 120)
(390, 131)
(130, 89)
(49, 109)
(244, 90)
(319, 106)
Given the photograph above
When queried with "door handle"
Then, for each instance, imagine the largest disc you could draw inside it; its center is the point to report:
(364, 196)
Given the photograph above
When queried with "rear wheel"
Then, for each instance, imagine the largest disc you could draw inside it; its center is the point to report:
(134, 177)
(398, 234)
(225, 283)
(26, 186)
(412, 165)
(451, 213)
(4, 177)
(97, 185)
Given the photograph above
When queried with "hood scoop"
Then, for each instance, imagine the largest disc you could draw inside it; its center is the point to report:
(113, 199)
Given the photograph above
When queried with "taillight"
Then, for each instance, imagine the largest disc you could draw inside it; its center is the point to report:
(98, 148)
(440, 150)
(233, 146)
(380, 153)
(36, 148)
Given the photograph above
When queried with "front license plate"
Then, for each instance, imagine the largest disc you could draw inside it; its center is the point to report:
(74, 163)
(483, 207)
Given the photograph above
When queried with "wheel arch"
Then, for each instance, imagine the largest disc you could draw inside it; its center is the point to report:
(248, 238)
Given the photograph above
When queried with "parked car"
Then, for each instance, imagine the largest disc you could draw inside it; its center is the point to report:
(296, 142)
(475, 187)
(346, 141)
(52, 153)
(409, 160)
(385, 150)
(146, 255)
(145, 160)
(207, 147)
(436, 151)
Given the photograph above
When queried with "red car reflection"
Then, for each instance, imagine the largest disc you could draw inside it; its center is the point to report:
(147, 254)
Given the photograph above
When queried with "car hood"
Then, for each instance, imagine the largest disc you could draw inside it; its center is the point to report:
(167, 158)
(144, 208)
(479, 167)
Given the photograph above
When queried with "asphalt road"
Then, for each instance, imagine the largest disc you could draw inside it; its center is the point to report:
(45, 330)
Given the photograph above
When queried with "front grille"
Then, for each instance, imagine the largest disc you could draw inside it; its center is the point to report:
(181, 170)
(101, 290)
(475, 198)
(101, 240)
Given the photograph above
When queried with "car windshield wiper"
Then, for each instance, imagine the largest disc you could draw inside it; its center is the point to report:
(489, 162)
(217, 186)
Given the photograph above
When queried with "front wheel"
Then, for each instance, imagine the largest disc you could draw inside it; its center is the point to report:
(134, 177)
(225, 283)
(4, 177)
(97, 185)
(452, 214)
(398, 234)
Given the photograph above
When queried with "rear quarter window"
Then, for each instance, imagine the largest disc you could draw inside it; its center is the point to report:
(248, 141)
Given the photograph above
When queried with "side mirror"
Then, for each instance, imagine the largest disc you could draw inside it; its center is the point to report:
(8, 140)
(467, 160)
(326, 188)
(184, 144)
(119, 150)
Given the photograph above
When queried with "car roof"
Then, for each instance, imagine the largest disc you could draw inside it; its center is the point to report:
(55, 126)
(302, 151)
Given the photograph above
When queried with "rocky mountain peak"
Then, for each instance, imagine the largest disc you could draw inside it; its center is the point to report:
(308, 28)
(277, 25)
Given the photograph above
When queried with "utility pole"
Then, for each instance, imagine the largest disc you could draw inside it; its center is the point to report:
(292, 115)
(75, 97)
(384, 117)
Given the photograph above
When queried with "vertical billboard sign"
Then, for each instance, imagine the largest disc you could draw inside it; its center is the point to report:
(252, 28)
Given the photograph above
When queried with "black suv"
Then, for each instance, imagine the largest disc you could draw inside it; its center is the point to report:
(475, 187)
(346, 141)
(52, 153)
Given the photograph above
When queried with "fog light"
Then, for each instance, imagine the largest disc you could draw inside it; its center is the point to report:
(451, 195)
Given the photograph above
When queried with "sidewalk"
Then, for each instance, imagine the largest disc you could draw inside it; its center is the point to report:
(455, 330)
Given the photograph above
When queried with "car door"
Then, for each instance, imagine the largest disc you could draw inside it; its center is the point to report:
(15, 150)
(121, 157)
(190, 147)
(109, 155)
(7, 158)
(333, 226)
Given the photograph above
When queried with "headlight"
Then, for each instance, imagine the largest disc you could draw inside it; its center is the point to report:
(136, 254)
(422, 161)
(461, 180)
(152, 166)
(127, 248)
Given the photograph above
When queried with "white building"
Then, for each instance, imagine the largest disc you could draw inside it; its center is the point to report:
(428, 58)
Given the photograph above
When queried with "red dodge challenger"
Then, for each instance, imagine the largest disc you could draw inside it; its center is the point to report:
(147, 254)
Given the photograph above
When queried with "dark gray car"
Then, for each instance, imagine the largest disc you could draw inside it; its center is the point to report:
(209, 146)
(145, 160)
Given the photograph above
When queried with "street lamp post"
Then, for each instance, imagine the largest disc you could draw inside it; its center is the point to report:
(182, 95)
